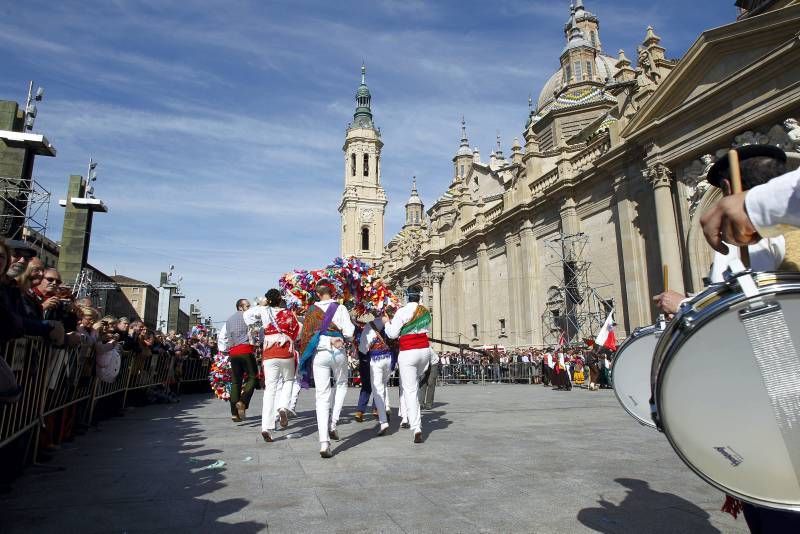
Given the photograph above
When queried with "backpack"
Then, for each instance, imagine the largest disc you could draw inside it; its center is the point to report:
(108, 365)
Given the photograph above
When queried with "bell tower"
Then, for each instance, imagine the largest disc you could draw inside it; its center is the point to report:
(364, 200)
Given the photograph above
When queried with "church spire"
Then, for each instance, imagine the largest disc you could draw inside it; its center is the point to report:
(463, 148)
(363, 115)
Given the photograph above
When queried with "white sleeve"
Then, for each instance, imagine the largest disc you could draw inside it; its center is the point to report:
(252, 315)
(393, 327)
(342, 319)
(775, 205)
(222, 338)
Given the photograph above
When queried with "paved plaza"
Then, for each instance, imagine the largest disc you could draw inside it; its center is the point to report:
(497, 458)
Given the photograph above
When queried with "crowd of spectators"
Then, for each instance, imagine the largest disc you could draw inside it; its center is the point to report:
(34, 302)
(519, 364)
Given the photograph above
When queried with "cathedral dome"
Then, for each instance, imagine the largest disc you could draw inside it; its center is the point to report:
(604, 67)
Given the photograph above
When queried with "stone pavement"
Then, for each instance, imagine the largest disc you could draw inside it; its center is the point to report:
(497, 458)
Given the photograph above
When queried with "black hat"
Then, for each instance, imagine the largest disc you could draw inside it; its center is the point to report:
(20, 246)
(720, 167)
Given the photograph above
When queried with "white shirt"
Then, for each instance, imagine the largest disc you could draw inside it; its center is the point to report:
(766, 255)
(341, 318)
(368, 335)
(222, 338)
(774, 207)
(400, 318)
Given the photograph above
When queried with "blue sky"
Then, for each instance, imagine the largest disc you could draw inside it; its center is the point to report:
(219, 125)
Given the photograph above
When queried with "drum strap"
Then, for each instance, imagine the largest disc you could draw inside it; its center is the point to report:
(777, 359)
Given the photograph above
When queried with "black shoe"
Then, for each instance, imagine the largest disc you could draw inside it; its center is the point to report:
(417, 437)
(405, 425)
(334, 435)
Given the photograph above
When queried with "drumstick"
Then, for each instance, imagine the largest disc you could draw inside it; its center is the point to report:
(736, 186)
(665, 273)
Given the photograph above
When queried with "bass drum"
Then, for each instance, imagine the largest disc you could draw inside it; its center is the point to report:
(630, 373)
(726, 387)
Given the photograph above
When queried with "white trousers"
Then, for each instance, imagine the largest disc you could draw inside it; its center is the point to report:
(295, 391)
(380, 371)
(327, 364)
(411, 364)
(276, 397)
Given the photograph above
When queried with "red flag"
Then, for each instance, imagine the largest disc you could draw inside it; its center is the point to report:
(605, 337)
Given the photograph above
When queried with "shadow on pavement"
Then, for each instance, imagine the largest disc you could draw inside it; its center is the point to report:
(152, 472)
(646, 510)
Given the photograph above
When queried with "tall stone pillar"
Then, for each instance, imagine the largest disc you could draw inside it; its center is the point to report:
(458, 298)
(514, 321)
(633, 263)
(530, 300)
(485, 328)
(668, 240)
(436, 280)
(570, 223)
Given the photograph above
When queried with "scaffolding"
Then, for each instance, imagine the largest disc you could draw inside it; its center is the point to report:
(24, 203)
(575, 308)
(85, 286)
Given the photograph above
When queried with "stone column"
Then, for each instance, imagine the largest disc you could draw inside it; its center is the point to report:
(458, 300)
(484, 329)
(570, 223)
(633, 261)
(668, 240)
(514, 320)
(436, 280)
(530, 301)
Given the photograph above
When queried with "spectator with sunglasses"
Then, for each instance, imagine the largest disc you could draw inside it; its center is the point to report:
(14, 321)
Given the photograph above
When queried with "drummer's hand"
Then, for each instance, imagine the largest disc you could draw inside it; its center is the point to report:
(728, 221)
(669, 301)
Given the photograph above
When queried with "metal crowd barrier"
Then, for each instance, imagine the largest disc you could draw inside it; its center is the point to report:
(476, 373)
(53, 379)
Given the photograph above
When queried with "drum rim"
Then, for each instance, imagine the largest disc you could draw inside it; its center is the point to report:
(637, 334)
(725, 303)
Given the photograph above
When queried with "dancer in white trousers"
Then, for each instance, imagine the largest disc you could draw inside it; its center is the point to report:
(411, 324)
(373, 344)
(281, 329)
(332, 322)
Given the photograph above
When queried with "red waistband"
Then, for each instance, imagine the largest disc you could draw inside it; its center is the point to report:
(239, 350)
(414, 341)
(277, 351)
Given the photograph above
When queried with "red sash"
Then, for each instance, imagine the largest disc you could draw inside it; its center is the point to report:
(414, 341)
(240, 350)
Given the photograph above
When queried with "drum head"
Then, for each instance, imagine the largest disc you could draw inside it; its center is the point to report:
(716, 412)
(631, 374)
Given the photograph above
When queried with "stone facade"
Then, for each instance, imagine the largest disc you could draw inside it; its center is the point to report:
(142, 297)
(613, 164)
(364, 200)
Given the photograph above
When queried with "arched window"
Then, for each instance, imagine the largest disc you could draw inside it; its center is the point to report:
(352, 164)
(365, 238)
(578, 71)
(568, 73)
(366, 164)
(462, 171)
(593, 37)
(589, 70)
